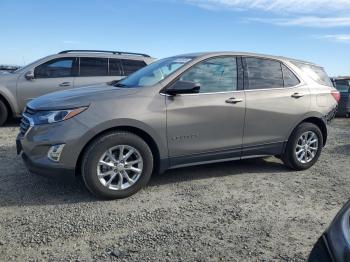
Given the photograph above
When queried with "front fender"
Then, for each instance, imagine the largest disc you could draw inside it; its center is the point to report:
(159, 140)
(10, 98)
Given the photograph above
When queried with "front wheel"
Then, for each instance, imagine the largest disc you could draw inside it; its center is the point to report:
(117, 165)
(303, 147)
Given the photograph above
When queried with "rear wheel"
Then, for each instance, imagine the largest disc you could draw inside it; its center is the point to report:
(117, 165)
(3, 113)
(303, 147)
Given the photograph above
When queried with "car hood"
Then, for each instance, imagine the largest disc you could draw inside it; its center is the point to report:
(78, 97)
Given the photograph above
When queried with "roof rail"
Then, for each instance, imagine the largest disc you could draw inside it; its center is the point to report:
(103, 51)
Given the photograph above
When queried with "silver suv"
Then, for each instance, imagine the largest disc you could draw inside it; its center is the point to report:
(179, 111)
(67, 69)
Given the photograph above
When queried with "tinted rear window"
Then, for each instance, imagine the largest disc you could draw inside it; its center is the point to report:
(131, 66)
(263, 73)
(318, 74)
(93, 66)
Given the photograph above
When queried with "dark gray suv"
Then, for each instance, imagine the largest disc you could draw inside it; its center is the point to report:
(180, 111)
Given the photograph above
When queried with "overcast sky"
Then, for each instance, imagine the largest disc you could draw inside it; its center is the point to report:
(318, 31)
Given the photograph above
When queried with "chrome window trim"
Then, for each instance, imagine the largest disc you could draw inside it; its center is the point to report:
(211, 93)
(278, 88)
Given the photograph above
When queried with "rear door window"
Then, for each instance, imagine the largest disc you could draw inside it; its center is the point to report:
(93, 66)
(115, 68)
(263, 73)
(131, 66)
(289, 77)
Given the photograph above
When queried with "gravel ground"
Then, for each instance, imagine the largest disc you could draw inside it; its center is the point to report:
(252, 210)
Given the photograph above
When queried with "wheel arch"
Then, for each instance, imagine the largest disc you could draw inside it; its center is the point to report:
(8, 105)
(132, 129)
(319, 122)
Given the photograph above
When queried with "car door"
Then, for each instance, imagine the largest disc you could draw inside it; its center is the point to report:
(53, 75)
(208, 125)
(275, 102)
(92, 71)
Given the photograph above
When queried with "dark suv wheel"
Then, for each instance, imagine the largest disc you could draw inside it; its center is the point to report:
(303, 147)
(117, 165)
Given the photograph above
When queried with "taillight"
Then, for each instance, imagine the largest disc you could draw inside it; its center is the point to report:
(336, 95)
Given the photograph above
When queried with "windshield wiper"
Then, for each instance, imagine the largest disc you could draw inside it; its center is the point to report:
(116, 83)
(119, 85)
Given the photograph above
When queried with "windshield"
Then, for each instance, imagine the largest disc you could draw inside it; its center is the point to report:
(154, 73)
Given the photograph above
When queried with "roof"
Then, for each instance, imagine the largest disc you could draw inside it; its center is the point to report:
(103, 53)
(202, 54)
(340, 78)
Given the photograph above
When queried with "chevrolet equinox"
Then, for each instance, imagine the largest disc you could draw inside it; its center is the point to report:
(180, 111)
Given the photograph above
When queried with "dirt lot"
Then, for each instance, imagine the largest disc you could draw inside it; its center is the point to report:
(254, 210)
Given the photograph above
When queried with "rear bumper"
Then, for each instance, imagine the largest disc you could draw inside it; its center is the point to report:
(331, 115)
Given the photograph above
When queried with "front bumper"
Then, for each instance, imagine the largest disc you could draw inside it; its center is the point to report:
(35, 144)
(48, 171)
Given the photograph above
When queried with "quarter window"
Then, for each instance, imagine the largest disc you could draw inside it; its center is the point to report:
(214, 75)
(263, 73)
(131, 66)
(93, 66)
(60, 67)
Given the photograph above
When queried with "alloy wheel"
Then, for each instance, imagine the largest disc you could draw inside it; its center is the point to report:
(120, 167)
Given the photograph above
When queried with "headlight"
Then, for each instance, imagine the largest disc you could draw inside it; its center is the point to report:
(48, 117)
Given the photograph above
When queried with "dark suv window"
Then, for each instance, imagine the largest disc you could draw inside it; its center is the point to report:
(214, 75)
(59, 67)
(91, 66)
(342, 85)
(115, 67)
(131, 66)
(263, 73)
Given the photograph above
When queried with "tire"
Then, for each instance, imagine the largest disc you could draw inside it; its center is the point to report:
(289, 156)
(3, 113)
(117, 141)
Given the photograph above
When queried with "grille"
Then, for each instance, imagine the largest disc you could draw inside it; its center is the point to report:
(24, 126)
(25, 122)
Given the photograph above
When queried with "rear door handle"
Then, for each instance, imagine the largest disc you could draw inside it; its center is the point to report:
(65, 84)
(233, 100)
(297, 95)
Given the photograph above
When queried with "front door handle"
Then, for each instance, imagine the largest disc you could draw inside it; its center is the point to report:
(65, 84)
(297, 95)
(233, 100)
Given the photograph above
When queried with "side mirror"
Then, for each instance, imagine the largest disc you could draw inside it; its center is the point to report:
(183, 87)
(29, 75)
